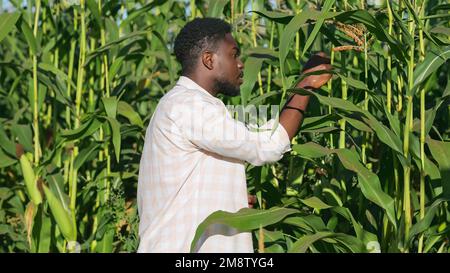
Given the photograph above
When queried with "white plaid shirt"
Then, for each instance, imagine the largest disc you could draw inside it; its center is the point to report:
(193, 165)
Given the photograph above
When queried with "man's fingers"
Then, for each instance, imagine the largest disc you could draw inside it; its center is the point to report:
(316, 60)
(318, 68)
(316, 81)
(251, 200)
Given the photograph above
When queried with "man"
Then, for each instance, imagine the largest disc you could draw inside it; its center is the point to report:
(194, 152)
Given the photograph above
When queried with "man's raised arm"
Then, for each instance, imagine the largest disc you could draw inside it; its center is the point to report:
(292, 114)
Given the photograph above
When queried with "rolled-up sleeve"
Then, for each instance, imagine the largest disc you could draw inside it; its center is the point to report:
(210, 127)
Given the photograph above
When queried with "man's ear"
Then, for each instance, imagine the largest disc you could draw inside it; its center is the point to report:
(207, 59)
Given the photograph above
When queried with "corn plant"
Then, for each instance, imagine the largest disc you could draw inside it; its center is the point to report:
(368, 172)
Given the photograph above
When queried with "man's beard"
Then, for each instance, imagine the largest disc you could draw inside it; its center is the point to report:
(226, 88)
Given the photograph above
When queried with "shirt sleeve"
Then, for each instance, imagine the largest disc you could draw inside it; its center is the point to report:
(209, 126)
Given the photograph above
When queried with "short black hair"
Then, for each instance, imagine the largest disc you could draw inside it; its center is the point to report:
(195, 37)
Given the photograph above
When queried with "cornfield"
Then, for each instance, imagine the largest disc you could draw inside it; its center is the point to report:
(368, 172)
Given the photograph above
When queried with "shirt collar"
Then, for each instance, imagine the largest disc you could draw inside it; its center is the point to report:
(190, 84)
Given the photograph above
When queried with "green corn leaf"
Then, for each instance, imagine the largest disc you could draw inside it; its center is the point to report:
(440, 7)
(86, 154)
(216, 7)
(42, 229)
(93, 7)
(85, 130)
(272, 236)
(243, 220)
(414, 148)
(338, 103)
(6, 160)
(49, 81)
(302, 244)
(446, 92)
(385, 134)
(310, 150)
(312, 36)
(269, 55)
(441, 30)
(139, 11)
(29, 37)
(124, 109)
(330, 129)
(441, 153)
(403, 26)
(167, 55)
(115, 67)
(357, 124)
(393, 122)
(310, 223)
(345, 212)
(113, 32)
(110, 105)
(105, 245)
(259, 99)
(432, 62)
(8, 146)
(418, 20)
(24, 135)
(116, 137)
(51, 68)
(430, 115)
(430, 168)
(45, 235)
(354, 83)
(315, 203)
(251, 68)
(318, 122)
(130, 38)
(7, 22)
(355, 245)
(275, 16)
(368, 181)
(294, 25)
(425, 223)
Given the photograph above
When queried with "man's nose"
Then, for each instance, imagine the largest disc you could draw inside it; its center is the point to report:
(240, 64)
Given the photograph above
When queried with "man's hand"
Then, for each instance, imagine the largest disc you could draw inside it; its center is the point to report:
(317, 62)
(251, 200)
(292, 116)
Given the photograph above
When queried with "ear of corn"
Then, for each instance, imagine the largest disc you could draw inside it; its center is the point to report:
(62, 216)
(30, 212)
(30, 180)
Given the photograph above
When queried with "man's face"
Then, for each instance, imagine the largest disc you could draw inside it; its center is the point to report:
(229, 67)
